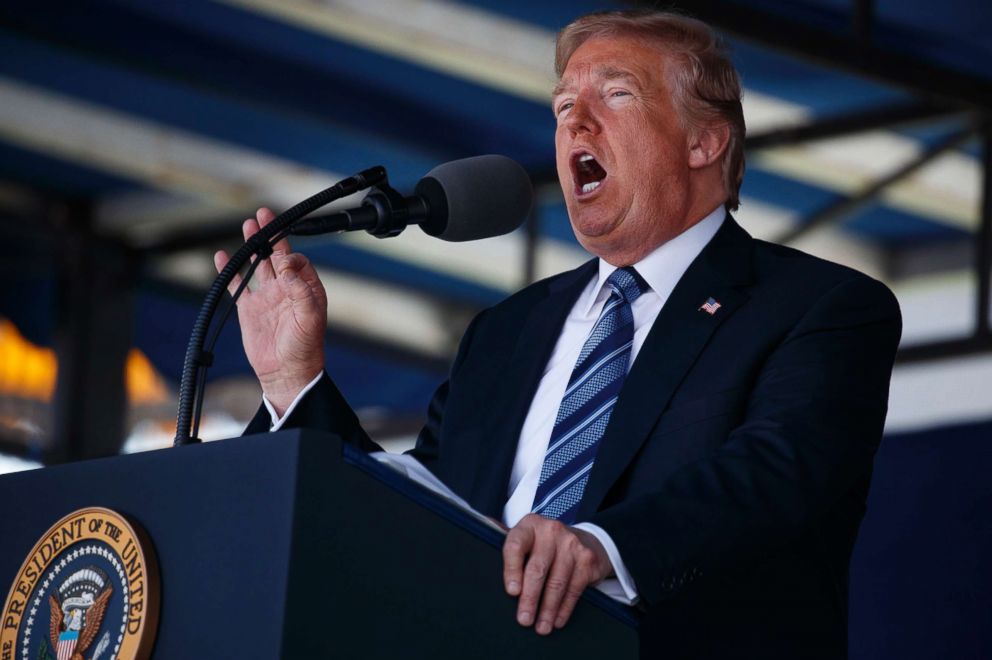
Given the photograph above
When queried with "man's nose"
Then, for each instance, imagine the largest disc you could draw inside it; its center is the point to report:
(582, 117)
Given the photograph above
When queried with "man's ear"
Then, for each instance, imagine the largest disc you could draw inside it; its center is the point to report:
(706, 146)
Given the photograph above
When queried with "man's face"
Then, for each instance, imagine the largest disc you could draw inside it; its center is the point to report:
(622, 154)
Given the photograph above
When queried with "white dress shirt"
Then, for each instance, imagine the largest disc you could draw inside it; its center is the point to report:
(662, 269)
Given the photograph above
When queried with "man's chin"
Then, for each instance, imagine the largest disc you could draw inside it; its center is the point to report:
(591, 222)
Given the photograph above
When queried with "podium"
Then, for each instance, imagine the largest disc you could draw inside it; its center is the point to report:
(291, 545)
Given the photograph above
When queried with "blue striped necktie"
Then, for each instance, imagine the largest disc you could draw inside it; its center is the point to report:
(588, 401)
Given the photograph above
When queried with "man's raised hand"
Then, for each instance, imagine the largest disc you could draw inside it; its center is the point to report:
(283, 318)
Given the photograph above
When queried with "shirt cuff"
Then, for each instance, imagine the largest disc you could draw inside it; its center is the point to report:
(623, 575)
(277, 421)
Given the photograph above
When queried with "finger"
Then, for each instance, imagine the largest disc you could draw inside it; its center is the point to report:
(220, 261)
(312, 279)
(265, 216)
(557, 583)
(518, 543)
(536, 571)
(590, 567)
(264, 272)
(573, 593)
(576, 586)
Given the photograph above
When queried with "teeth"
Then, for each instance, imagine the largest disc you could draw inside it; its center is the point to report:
(584, 157)
(589, 187)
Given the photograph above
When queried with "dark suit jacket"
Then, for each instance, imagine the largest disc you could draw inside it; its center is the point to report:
(734, 471)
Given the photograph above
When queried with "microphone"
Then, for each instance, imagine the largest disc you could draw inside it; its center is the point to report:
(464, 200)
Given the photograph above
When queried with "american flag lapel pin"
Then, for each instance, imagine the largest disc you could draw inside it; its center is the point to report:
(710, 306)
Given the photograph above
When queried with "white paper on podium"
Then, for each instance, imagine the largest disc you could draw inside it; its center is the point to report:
(416, 472)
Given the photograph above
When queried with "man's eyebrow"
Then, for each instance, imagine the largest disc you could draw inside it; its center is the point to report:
(615, 73)
(608, 72)
(560, 88)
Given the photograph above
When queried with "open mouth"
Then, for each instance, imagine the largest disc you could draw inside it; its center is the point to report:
(587, 174)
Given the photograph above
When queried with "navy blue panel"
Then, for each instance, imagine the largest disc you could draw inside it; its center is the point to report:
(954, 33)
(48, 174)
(933, 132)
(920, 573)
(772, 188)
(823, 91)
(896, 228)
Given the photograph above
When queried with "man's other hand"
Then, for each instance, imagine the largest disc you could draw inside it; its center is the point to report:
(283, 318)
(548, 564)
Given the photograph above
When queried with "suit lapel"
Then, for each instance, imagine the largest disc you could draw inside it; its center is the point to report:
(675, 341)
(512, 395)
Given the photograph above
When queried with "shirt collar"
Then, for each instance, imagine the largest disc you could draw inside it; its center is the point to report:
(665, 265)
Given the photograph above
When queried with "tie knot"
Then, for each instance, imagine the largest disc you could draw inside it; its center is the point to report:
(628, 283)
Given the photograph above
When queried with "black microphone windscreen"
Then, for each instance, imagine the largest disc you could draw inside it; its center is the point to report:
(475, 198)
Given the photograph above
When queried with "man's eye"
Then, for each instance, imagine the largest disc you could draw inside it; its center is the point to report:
(620, 92)
(564, 106)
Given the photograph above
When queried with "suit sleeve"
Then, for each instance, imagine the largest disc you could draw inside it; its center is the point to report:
(323, 408)
(813, 422)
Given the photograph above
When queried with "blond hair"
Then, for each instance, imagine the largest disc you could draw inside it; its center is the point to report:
(706, 86)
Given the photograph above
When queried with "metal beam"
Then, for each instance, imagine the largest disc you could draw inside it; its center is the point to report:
(844, 206)
(983, 240)
(92, 339)
(862, 20)
(981, 340)
(942, 350)
(842, 51)
(847, 123)
(533, 229)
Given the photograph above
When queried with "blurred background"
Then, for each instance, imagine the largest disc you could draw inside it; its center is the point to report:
(136, 135)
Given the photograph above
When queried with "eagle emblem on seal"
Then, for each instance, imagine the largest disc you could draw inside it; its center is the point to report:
(77, 612)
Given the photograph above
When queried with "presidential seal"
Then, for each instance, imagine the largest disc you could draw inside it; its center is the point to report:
(87, 591)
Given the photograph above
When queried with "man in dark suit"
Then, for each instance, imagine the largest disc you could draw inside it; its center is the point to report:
(693, 413)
